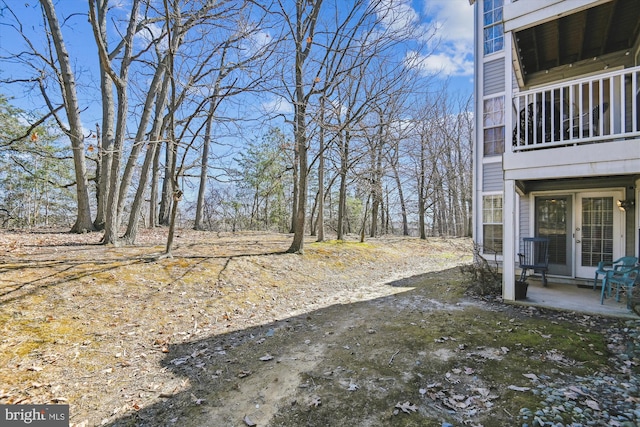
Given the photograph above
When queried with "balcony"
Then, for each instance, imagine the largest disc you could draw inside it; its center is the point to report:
(600, 108)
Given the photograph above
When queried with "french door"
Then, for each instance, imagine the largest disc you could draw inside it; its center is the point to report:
(583, 229)
(554, 221)
(599, 234)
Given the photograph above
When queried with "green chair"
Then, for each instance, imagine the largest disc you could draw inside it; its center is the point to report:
(604, 267)
(625, 278)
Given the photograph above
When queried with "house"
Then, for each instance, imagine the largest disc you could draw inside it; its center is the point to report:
(557, 140)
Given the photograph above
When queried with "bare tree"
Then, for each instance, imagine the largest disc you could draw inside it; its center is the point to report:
(54, 62)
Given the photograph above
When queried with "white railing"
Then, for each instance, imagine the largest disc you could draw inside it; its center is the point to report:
(592, 109)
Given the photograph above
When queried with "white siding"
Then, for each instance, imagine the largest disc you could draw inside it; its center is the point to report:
(493, 76)
(492, 177)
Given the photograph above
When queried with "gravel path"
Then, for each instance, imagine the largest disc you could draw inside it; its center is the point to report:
(596, 400)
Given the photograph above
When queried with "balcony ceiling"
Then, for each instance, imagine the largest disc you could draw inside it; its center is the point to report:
(590, 33)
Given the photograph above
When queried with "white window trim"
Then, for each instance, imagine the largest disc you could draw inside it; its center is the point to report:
(489, 255)
(483, 27)
(506, 103)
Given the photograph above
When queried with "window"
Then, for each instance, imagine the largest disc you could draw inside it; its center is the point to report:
(493, 28)
(493, 124)
(492, 223)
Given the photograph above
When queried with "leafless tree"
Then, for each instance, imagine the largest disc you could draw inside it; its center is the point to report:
(53, 63)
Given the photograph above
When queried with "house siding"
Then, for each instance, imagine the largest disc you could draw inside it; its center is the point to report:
(523, 218)
(494, 77)
(492, 177)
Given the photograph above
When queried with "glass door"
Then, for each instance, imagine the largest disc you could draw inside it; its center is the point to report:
(598, 231)
(554, 221)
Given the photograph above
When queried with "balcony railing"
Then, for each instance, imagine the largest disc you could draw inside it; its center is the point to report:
(592, 109)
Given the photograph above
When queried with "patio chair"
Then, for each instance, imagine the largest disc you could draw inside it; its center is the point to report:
(590, 120)
(535, 257)
(625, 279)
(531, 118)
(604, 267)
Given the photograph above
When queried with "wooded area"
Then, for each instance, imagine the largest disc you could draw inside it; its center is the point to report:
(358, 139)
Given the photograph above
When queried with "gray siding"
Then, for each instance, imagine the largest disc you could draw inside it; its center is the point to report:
(493, 76)
(492, 177)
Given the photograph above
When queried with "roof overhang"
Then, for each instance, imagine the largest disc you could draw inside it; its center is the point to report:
(593, 30)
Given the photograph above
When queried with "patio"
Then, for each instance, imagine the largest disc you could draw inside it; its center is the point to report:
(564, 296)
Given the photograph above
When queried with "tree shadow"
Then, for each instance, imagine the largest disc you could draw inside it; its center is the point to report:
(264, 371)
(68, 270)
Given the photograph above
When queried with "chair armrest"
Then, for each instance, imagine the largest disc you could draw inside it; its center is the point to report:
(621, 273)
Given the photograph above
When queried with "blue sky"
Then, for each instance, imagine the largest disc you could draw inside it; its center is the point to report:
(451, 58)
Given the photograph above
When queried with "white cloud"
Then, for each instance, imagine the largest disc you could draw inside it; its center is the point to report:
(151, 32)
(397, 14)
(442, 63)
(453, 56)
(452, 44)
(277, 106)
(455, 19)
(255, 41)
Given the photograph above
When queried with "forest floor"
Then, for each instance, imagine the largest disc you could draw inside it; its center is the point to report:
(232, 331)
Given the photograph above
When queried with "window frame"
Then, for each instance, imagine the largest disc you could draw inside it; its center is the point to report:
(493, 120)
(494, 222)
(492, 27)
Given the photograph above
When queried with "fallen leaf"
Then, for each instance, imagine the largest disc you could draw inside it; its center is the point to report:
(244, 374)
(180, 360)
(406, 407)
(592, 404)
(266, 357)
(533, 377)
(516, 388)
(248, 421)
(35, 368)
(484, 392)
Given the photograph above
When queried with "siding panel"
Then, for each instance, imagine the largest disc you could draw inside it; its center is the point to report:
(524, 217)
(492, 177)
(493, 76)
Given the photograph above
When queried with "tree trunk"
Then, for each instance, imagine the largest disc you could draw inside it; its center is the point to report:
(296, 186)
(127, 176)
(153, 198)
(204, 167)
(68, 86)
(364, 219)
(108, 119)
(164, 216)
(403, 205)
(297, 245)
(149, 161)
(303, 35)
(112, 219)
(342, 193)
(320, 219)
(422, 192)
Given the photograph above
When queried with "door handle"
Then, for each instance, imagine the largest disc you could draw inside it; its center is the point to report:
(577, 241)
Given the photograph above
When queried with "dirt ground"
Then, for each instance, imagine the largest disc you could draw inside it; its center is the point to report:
(232, 331)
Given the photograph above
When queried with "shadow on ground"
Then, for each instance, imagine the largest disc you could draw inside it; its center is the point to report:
(346, 364)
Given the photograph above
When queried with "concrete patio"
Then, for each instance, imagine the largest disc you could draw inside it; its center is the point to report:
(571, 297)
